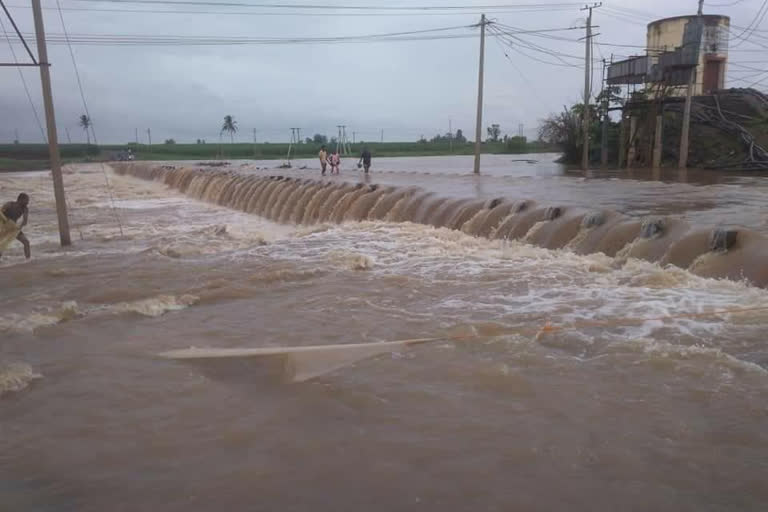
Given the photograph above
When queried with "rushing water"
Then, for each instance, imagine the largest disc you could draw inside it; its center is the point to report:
(667, 413)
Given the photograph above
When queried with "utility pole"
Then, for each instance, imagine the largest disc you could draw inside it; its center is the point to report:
(382, 135)
(685, 132)
(69, 139)
(587, 84)
(606, 121)
(338, 138)
(50, 121)
(137, 135)
(149, 139)
(354, 135)
(298, 135)
(450, 134)
(479, 124)
(16, 136)
(521, 130)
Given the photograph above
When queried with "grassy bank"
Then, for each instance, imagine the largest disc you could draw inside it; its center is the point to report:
(280, 151)
(21, 157)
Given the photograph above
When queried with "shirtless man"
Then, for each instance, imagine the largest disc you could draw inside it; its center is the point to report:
(15, 210)
(323, 156)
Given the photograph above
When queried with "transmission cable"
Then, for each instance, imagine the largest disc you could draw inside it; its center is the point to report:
(318, 7)
(302, 14)
(24, 83)
(87, 113)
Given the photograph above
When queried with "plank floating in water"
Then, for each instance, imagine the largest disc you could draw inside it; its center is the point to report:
(299, 363)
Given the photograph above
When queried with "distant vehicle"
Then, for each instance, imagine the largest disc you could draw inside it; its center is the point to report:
(124, 156)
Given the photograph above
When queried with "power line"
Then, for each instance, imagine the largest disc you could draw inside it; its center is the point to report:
(302, 14)
(116, 39)
(731, 4)
(18, 33)
(340, 7)
(180, 40)
(508, 42)
(24, 83)
(512, 41)
(756, 21)
(87, 113)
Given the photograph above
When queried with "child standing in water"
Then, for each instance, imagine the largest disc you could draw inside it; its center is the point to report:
(335, 162)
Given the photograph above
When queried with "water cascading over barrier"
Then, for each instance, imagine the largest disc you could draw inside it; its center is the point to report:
(717, 253)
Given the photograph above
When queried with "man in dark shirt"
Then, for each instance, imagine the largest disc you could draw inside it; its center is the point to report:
(15, 210)
(365, 158)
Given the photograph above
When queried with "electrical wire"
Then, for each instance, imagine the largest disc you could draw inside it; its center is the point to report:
(181, 40)
(340, 7)
(511, 44)
(756, 21)
(302, 14)
(531, 87)
(138, 39)
(731, 4)
(24, 83)
(514, 40)
(87, 113)
(758, 82)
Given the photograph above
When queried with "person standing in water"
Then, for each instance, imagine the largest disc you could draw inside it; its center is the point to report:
(323, 156)
(335, 161)
(365, 159)
(15, 210)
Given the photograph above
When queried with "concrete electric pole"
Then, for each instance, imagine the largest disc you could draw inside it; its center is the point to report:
(685, 132)
(587, 86)
(479, 125)
(606, 121)
(50, 121)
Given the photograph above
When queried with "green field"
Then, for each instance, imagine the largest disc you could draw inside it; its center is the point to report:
(20, 157)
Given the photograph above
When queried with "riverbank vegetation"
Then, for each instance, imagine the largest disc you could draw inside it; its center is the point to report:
(17, 157)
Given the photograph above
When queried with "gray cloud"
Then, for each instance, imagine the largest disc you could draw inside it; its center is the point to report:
(405, 88)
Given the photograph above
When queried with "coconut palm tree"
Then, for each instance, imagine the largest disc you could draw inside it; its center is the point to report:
(85, 123)
(230, 125)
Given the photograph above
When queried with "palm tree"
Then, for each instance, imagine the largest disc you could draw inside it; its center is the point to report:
(230, 125)
(85, 122)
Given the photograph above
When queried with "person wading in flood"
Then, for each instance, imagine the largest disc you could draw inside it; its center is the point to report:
(14, 210)
(335, 161)
(323, 156)
(365, 159)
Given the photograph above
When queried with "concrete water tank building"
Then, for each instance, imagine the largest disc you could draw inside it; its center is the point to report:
(669, 34)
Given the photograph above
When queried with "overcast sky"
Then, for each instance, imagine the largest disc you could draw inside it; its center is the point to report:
(405, 88)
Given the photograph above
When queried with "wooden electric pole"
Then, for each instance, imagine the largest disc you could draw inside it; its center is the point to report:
(50, 121)
(685, 132)
(587, 87)
(479, 125)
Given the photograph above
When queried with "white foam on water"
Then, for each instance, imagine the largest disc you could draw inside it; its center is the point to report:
(16, 322)
(662, 350)
(15, 377)
(155, 306)
(520, 281)
(70, 310)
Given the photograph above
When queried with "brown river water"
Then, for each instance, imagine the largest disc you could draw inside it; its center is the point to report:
(637, 405)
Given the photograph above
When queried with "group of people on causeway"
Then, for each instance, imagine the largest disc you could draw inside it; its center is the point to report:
(334, 160)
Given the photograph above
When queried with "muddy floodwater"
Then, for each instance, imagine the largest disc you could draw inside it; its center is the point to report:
(571, 374)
